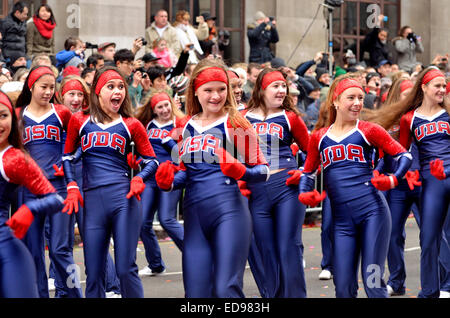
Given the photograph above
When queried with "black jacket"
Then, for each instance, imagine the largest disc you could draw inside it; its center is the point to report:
(259, 38)
(14, 34)
(377, 50)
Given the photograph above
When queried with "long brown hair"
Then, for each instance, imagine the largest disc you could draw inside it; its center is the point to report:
(391, 114)
(193, 106)
(257, 99)
(95, 109)
(145, 113)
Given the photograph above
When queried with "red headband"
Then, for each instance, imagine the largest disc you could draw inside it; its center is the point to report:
(405, 85)
(37, 74)
(105, 78)
(210, 74)
(72, 85)
(4, 100)
(447, 90)
(344, 85)
(156, 99)
(232, 74)
(431, 75)
(271, 77)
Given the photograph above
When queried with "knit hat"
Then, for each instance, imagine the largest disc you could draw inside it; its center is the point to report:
(315, 85)
(319, 72)
(339, 71)
(179, 84)
(277, 62)
(259, 15)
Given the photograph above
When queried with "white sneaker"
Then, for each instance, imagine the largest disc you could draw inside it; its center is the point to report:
(390, 290)
(112, 294)
(325, 275)
(444, 294)
(51, 284)
(304, 264)
(146, 271)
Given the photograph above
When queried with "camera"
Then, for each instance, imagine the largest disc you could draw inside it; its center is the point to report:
(143, 40)
(143, 71)
(412, 37)
(91, 46)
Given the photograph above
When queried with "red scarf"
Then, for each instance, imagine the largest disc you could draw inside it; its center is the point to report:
(45, 28)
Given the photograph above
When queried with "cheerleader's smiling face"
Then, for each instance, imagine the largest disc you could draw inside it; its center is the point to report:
(43, 89)
(435, 90)
(212, 96)
(5, 126)
(112, 96)
(163, 110)
(73, 100)
(274, 94)
(349, 104)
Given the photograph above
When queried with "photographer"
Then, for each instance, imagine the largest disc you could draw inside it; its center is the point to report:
(260, 34)
(407, 45)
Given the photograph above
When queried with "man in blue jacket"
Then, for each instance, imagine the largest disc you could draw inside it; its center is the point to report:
(260, 34)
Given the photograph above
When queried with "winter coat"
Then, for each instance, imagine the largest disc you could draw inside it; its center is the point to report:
(169, 34)
(37, 44)
(259, 37)
(14, 36)
(407, 53)
(376, 49)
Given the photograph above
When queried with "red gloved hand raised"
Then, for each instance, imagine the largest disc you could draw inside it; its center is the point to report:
(437, 169)
(137, 186)
(131, 159)
(59, 172)
(382, 182)
(412, 177)
(21, 221)
(294, 149)
(243, 188)
(295, 179)
(312, 198)
(229, 165)
(73, 198)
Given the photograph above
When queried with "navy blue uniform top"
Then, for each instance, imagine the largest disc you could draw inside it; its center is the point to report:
(197, 151)
(156, 134)
(277, 132)
(105, 148)
(43, 137)
(347, 160)
(16, 169)
(431, 134)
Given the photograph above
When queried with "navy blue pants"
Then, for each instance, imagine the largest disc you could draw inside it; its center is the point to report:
(435, 201)
(60, 249)
(216, 244)
(326, 236)
(401, 200)
(154, 199)
(17, 270)
(108, 212)
(278, 218)
(361, 229)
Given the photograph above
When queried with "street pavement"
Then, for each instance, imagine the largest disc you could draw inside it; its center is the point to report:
(170, 285)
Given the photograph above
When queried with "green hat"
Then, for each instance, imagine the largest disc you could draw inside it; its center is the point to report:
(339, 71)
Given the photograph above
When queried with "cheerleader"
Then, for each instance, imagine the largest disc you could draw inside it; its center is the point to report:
(361, 220)
(217, 223)
(159, 116)
(44, 124)
(17, 269)
(105, 131)
(236, 87)
(277, 214)
(74, 94)
(425, 119)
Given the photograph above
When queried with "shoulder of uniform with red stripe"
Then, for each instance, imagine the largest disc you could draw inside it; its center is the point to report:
(139, 136)
(64, 113)
(298, 129)
(21, 169)
(380, 138)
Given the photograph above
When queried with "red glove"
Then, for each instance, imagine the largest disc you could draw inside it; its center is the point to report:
(382, 182)
(131, 159)
(294, 149)
(59, 172)
(243, 188)
(437, 169)
(21, 221)
(412, 177)
(165, 174)
(137, 186)
(312, 198)
(295, 179)
(229, 165)
(73, 198)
